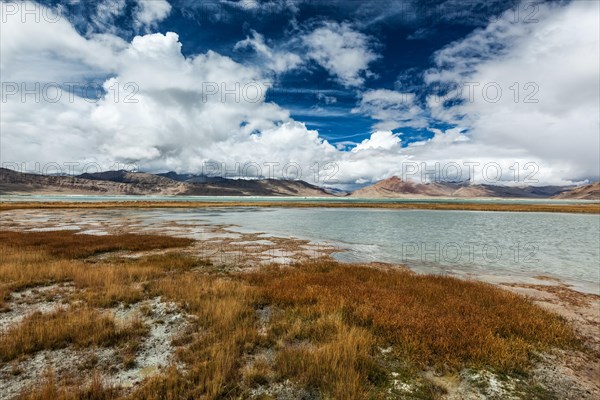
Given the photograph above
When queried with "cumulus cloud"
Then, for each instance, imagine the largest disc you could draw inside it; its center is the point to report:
(342, 51)
(182, 111)
(276, 60)
(51, 50)
(149, 13)
(379, 140)
(532, 87)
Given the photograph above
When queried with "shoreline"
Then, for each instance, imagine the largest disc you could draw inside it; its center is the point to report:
(593, 208)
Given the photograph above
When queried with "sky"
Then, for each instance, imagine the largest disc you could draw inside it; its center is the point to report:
(337, 93)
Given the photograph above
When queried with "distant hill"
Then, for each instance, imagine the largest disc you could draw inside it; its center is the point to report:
(395, 187)
(171, 184)
(587, 192)
(110, 183)
(139, 183)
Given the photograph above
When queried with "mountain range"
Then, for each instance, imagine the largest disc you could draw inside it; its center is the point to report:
(587, 192)
(172, 183)
(395, 187)
(139, 183)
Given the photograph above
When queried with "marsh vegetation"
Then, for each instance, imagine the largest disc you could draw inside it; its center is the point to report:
(316, 329)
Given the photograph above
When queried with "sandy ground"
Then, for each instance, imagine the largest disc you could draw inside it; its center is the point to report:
(575, 375)
(155, 352)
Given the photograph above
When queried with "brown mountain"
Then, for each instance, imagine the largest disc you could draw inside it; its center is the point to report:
(12, 182)
(137, 183)
(587, 192)
(395, 187)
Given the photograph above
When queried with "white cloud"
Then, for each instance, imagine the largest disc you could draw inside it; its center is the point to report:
(276, 60)
(150, 12)
(392, 109)
(51, 50)
(264, 6)
(106, 12)
(326, 99)
(379, 140)
(174, 123)
(555, 62)
(342, 51)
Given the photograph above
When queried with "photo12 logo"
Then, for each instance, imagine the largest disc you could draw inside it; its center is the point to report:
(469, 252)
(249, 92)
(320, 173)
(488, 92)
(53, 92)
(27, 12)
(473, 171)
(68, 168)
(324, 173)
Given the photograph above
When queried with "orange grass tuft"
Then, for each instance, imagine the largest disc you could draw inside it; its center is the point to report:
(433, 320)
(68, 244)
(59, 329)
(51, 389)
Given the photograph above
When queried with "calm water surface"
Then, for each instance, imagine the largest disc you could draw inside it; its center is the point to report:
(565, 246)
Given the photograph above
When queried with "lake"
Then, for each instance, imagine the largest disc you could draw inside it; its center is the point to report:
(565, 246)
(499, 245)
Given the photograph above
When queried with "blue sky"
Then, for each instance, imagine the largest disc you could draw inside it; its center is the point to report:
(404, 34)
(368, 86)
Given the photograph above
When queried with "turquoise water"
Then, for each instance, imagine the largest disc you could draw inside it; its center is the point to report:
(258, 199)
(564, 246)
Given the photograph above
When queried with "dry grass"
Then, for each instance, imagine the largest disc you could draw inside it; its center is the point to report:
(328, 320)
(50, 388)
(224, 330)
(62, 328)
(587, 208)
(67, 244)
(41, 258)
(341, 366)
(123, 280)
(432, 320)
